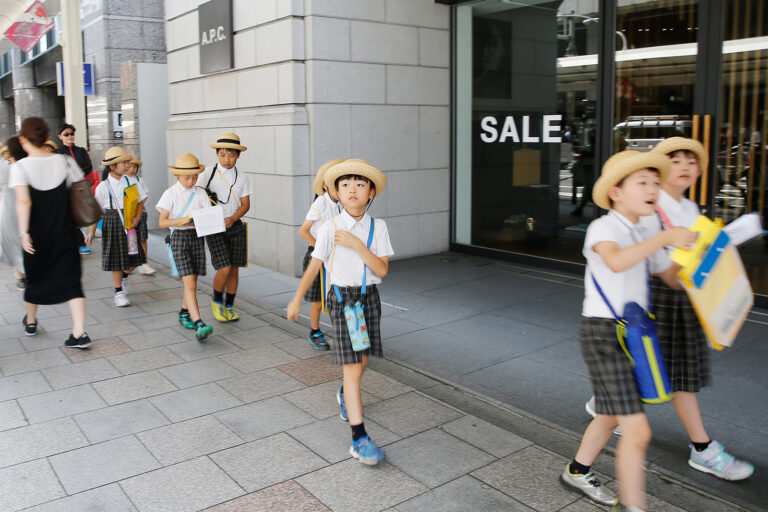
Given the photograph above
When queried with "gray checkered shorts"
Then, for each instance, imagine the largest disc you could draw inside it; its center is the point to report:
(683, 343)
(613, 382)
(315, 292)
(341, 345)
(230, 248)
(188, 252)
(114, 249)
(141, 230)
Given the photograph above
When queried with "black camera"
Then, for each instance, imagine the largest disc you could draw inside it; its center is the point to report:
(212, 195)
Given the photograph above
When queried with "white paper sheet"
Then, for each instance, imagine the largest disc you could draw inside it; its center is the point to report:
(744, 228)
(208, 220)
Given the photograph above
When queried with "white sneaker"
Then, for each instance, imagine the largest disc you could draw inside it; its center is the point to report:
(124, 283)
(121, 299)
(146, 270)
(590, 407)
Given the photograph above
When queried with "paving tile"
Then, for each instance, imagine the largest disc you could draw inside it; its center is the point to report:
(39, 440)
(46, 338)
(173, 293)
(108, 498)
(435, 457)
(465, 493)
(313, 371)
(338, 486)
(31, 361)
(64, 402)
(81, 373)
(285, 497)
(154, 322)
(23, 385)
(582, 506)
(143, 360)
(299, 348)
(248, 321)
(157, 307)
(259, 358)
(330, 438)
(265, 418)
(133, 387)
(102, 348)
(258, 337)
(119, 420)
(320, 400)
(101, 464)
(260, 385)
(488, 437)
(188, 439)
(199, 372)
(410, 414)
(11, 416)
(193, 350)
(11, 346)
(197, 401)
(382, 386)
(28, 484)
(152, 339)
(191, 485)
(280, 458)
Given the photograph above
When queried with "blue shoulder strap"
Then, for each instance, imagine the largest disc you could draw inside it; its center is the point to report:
(607, 303)
(365, 268)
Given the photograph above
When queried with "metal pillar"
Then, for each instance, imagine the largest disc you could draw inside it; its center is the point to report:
(72, 55)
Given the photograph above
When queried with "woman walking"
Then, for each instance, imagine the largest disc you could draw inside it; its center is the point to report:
(10, 245)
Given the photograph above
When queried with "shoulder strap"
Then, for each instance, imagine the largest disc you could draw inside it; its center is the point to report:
(663, 217)
(210, 178)
(365, 267)
(186, 206)
(605, 298)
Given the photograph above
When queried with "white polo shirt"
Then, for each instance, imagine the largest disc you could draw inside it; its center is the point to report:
(322, 209)
(620, 288)
(175, 199)
(343, 265)
(222, 181)
(118, 186)
(681, 213)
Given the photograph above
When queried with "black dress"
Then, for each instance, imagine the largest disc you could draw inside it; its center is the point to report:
(53, 271)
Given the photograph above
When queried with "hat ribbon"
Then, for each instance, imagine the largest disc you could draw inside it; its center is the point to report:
(231, 141)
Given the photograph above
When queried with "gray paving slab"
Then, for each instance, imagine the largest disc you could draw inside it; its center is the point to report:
(298, 347)
(192, 402)
(188, 439)
(381, 386)
(109, 498)
(28, 484)
(120, 420)
(25, 384)
(11, 416)
(45, 339)
(429, 312)
(191, 485)
(248, 321)
(101, 464)
(194, 350)
(39, 440)
(152, 339)
(154, 322)
(463, 494)
(31, 361)
(258, 337)
(320, 400)
(133, 387)
(487, 437)
(64, 402)
(198, 372)
(280, 458)
(260, 385)
(143, 360)
(110, 329)
(331, 438)
(61, 377)
(10, 347)
(338, 486)
(265, 418)
(581, 506)
(410, 414)
(259, 358)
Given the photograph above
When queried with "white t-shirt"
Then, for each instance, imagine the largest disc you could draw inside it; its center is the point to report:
(631, 285)
(143, 184)
(44, 173)
(175, 199)
(322, 209)
(681, 213)
(343, 265)
(221, 183)
(117, 186)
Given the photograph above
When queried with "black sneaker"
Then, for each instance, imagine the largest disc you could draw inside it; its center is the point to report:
(29, 329)
(82, 342)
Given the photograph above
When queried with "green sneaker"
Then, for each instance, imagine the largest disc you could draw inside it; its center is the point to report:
(203, 331)
(186, 321)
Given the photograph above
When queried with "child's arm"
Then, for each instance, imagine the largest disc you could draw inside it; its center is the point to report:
(305, 234)
(669, 276)
(245, 205)
(294, 307)
(139, 210)
(379, 265)
(619, 260)
(165, 222)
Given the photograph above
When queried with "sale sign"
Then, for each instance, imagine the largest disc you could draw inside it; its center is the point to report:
(30, 27)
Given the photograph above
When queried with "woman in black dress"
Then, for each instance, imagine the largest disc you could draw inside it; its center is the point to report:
(48, 233)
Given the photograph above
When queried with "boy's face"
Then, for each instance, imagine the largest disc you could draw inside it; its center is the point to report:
(638, 194)
(354, 193)
(227, 157)
(187, 180)
(683, 170)
(131, 169)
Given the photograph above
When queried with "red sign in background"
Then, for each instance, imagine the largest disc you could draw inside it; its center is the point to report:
(30, 27)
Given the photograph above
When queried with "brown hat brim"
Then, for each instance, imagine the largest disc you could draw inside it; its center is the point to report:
(358, 167)
(621, 165)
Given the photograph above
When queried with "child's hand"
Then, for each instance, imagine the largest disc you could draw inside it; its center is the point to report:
(293, 310)
(347, 239)
(229, 222)
(680, 237)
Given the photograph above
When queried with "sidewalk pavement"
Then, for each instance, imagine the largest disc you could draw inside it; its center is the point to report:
(149, 419)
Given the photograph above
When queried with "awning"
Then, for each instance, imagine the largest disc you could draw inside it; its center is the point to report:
(12, 9)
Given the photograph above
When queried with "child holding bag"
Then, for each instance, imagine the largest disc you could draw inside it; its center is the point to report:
(142, 230)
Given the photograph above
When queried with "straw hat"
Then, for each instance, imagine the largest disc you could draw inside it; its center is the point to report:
(135, 160)
(621, 165)
(671, 144)
(114, 155)
(228, 140)
(51, 144)
(317, 187)
(187, 164)
(359, 167)
(3, 149)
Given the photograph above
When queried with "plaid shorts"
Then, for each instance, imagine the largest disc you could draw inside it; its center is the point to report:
(315, 292)
(229, 249)
(683, 343)
(188, 252)
(141, 230)
(341, 346)
(114, 250)
(613, 382)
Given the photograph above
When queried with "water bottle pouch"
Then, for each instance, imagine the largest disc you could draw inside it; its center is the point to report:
(133, 242)
(356, 326)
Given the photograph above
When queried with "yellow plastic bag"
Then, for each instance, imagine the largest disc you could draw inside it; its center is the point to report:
(130, 204)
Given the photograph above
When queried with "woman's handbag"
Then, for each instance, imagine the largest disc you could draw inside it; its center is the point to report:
(85, 210)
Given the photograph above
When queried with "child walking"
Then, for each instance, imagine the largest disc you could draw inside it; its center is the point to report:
(683, 342)
(188, 249)
(619, 256)
(142, 231)
(231, 190)
(323, 208)
(109, 195)
(355, 249)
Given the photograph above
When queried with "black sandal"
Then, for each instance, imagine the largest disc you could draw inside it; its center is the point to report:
(29, 329)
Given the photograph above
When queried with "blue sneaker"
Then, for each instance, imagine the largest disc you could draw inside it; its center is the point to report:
(84, 249)
(342, 406)
(318, 342)
(367, 452)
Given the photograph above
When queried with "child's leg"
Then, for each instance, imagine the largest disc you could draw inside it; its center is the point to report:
(190, 296)
(233, 280)
(630, 459)
(597, 434)
(314, 315)
(77, 310)
(117, 278)
(687, 407)
(220, 279)
(352, 375)
(144, 246)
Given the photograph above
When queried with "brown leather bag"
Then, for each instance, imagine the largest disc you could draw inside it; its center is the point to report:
(85, 210)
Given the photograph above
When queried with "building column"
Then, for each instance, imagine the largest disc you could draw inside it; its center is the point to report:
(7, 127)
(28, 99)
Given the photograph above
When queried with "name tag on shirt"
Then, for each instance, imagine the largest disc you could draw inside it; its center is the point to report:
(208, 221)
